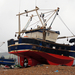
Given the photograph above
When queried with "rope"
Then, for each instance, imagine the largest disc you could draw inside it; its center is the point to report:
(46, 10)
(39, 21)
(2, 44)
(34, 23)
(65, 25)
(48, 15)
(50, 12)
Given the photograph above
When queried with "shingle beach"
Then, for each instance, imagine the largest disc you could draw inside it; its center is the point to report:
(40, 70)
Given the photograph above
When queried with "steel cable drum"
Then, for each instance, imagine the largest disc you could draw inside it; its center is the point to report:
(72, 40)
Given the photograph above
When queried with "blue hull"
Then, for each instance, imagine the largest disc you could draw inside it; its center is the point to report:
(7, 61)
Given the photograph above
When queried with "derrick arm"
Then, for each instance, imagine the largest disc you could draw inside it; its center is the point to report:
(54, 18)
(22, 14)
(24, 29)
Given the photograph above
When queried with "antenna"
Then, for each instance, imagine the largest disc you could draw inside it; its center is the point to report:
(35, 3)
(19, 5)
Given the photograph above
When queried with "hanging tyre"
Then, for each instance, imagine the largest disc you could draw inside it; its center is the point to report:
(25, 62)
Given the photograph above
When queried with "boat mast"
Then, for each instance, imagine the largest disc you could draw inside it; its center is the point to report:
(22, 14)
(19, 26)
(54, 17)
(43, 24)
(39, 17)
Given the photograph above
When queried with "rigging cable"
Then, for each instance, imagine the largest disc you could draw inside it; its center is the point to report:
(39, 14)
(65, 25)
(39, 21)
(34, 23)
(46, 9)
(2, 44)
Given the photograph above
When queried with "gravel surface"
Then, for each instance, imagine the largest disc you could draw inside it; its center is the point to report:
(40, 70)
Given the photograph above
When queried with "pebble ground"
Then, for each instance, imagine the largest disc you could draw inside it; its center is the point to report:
(40, 70)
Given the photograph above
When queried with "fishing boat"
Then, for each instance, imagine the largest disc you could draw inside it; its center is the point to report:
(38, 45)
(8, 62)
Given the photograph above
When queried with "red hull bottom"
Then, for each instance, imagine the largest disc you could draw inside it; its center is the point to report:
(35, 57)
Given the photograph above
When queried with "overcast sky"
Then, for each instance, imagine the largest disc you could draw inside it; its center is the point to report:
(9, 20)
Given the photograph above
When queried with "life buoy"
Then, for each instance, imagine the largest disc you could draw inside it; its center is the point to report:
(25, 36)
